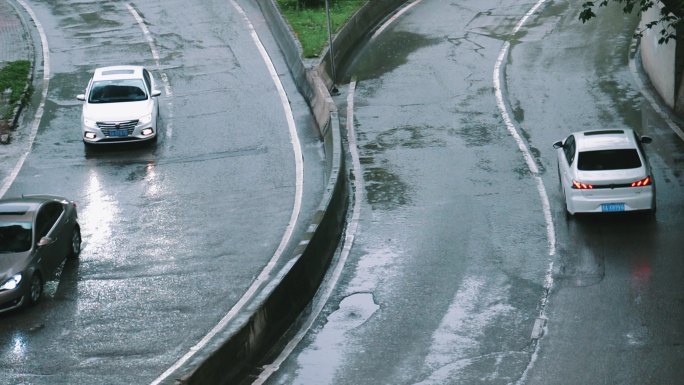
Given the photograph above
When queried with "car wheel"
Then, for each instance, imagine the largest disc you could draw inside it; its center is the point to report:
(568, 214)
(652, 211)
(88, 147)
(36, 289)
(75, 248)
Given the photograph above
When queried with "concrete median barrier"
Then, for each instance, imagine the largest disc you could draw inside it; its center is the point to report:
(234, 352)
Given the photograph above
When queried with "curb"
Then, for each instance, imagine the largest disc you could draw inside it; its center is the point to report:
(242, 346)
(21, 104)
(19, 107)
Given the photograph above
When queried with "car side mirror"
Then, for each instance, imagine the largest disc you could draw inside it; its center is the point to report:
(81, 97)
(646, 139)
(45, 241)
(558, 144)
(156, 93)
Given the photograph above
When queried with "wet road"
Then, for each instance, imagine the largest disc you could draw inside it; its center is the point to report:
(174, 234)
(463, 268)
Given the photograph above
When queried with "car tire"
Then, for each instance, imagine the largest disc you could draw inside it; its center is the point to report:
(35, 289)
(88, 147)
(568, 214)
(75, 245)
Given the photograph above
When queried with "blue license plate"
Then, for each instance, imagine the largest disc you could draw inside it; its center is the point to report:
(118, 133)
(612, 207)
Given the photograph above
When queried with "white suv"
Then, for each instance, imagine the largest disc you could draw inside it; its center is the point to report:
(120, 105)
(605, 171)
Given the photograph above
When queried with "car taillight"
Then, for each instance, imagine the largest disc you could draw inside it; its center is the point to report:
(644, 182)
(581, 186)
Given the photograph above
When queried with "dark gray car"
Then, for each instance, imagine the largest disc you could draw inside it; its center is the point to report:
(37, 234)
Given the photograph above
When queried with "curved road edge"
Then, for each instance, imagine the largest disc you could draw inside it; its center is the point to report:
(9, 40)
(239, 348)
(242, 346)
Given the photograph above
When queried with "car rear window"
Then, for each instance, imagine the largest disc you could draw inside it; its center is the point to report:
(608, 160)
(117, 72)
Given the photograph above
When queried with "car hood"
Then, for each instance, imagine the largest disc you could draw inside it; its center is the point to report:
(12, 263)
(612, 176)
(116, 112)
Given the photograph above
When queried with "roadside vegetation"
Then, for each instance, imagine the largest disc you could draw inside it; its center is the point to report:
(671, 16)
(310, 24)
(13, 81)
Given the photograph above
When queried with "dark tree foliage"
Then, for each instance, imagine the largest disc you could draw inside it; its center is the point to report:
(670, 16)
(311, 3)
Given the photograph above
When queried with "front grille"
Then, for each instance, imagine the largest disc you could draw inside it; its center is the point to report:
(107, 126)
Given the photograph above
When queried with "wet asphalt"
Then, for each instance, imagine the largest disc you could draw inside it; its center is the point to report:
(455, 275)
(174, 233)
(451, 266)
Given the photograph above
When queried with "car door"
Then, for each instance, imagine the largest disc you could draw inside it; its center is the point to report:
(51, 240)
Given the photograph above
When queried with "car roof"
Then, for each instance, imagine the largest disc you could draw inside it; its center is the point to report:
(118, 72)
(18, 208)
(27, 203)
(591, 140)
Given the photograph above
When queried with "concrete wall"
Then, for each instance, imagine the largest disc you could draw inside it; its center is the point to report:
(354, 32)
(236, 350)
(659, 60)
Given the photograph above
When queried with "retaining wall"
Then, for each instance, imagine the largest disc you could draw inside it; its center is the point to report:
(235, 351)
(663, 63)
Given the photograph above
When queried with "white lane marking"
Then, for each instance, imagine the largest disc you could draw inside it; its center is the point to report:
(155, 56)
(393, 18)
(350, 234)
(41, 106)
(529, 159)
(540, 323)
(299, 175)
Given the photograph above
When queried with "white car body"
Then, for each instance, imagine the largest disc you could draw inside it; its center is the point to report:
(120, 105)
(605, 171)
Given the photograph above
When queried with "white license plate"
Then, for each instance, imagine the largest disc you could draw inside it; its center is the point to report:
(612, 207)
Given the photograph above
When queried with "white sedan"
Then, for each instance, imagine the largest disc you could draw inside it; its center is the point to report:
(120, 105)
(605, 171)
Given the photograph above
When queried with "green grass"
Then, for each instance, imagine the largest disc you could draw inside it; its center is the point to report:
(310, 24)
(14, 76)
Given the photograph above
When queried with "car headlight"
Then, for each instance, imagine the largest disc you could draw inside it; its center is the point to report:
(145, 119)
(11, 283)
(89, 123)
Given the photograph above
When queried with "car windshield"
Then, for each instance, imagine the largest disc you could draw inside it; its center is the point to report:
(15, 236)
(114, 91)
(608, 160)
